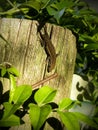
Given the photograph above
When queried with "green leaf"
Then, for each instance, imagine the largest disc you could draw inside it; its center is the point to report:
(13, 71)
(96, 94)
(10, 11)
(92, 46)
(65, 103)
(85, 119)
(38, 115)
(34, 114)
(45, 111)
(9, 109)
(86, 38)
(18, 96)
(63, 4)
(12, 87)
(95, 36)
(45, 3)
(22, 93)
(57, 9)
(10, 121)
(44, 95)
(33, 4)
(69, 120)
(51, 10)
(59, 14)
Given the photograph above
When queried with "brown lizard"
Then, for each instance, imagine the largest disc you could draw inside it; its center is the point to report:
(49, 49)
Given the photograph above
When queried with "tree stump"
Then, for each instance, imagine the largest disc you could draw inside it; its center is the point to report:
(29, 57)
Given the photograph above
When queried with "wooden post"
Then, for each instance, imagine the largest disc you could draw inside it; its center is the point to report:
(29, 57)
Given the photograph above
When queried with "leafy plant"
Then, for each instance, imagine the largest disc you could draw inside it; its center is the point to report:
(20, 102)
(78, 17)
(10, 102)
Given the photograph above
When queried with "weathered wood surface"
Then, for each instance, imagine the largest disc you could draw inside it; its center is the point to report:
(29, 57)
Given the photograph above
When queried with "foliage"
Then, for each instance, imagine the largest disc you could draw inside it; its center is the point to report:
(78, 17)
(11, 101)
(73, 14)
(18, 101)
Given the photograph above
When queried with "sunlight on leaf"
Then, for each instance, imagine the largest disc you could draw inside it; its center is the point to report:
(65, 103)
(12, 87)
(22, 93)
(34, 114)
(13, 71)
(45, 95)
(38, 115)
(69, 120)
(45, 111)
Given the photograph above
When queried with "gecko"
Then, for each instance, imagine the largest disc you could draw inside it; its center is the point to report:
(49, 49)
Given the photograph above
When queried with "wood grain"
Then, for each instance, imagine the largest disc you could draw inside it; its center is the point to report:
(29, 57)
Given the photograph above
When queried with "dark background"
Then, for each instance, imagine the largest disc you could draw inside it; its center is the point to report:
(92, 4)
